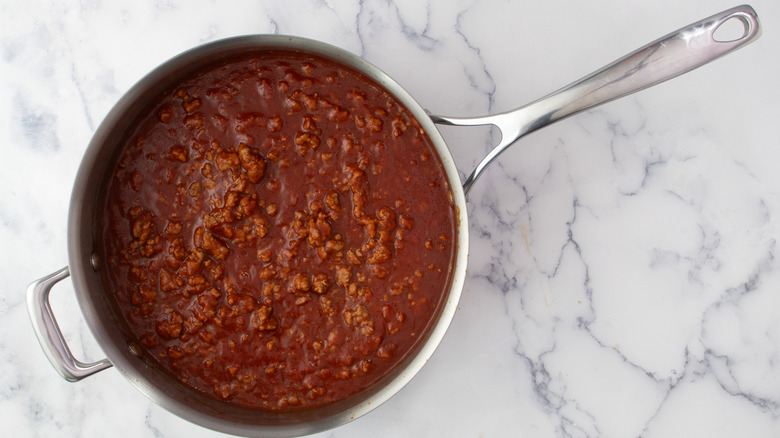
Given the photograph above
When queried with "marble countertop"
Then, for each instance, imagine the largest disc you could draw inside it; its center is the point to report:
(623, 278)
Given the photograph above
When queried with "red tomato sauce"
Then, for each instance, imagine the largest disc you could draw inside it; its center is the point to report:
(279, 232)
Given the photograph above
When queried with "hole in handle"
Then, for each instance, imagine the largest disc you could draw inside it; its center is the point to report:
(733, 29)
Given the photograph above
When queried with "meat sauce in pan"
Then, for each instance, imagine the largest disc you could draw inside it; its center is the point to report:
(279, 232)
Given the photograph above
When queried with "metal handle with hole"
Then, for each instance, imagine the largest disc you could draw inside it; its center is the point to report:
(670, 56)
(49, 334)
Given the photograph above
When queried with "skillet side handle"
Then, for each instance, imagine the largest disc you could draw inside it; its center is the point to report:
(49, 334)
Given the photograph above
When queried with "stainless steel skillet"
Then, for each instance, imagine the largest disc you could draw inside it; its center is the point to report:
(670, 56)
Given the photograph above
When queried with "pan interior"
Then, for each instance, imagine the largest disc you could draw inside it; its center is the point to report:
(101, 314)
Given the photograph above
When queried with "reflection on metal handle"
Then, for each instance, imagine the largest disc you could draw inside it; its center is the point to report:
(49, 334)
(668, 57)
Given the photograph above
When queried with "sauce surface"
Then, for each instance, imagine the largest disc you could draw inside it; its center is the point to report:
(279, 232)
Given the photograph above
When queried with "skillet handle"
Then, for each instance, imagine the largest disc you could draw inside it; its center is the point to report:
(48, 331)
(663, 59)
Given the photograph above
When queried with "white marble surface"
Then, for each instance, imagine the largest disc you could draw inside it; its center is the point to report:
(623, 276)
